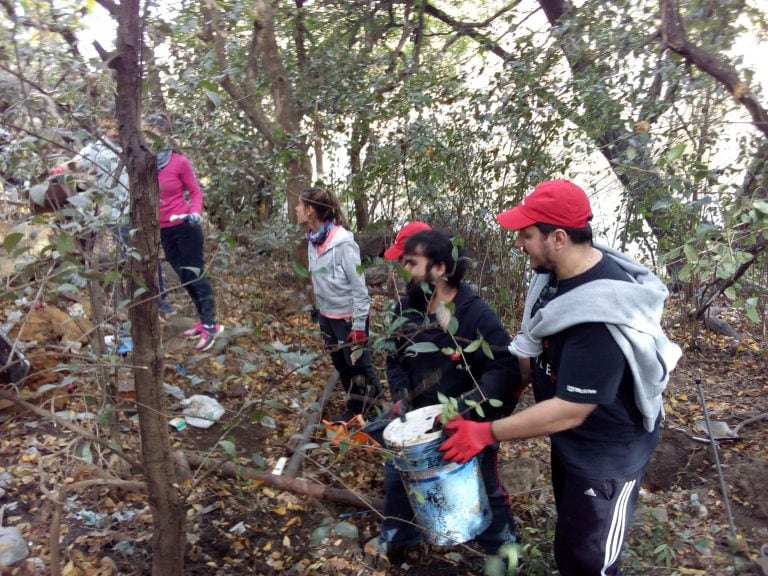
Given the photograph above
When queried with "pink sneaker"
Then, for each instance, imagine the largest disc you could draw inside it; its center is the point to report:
(194, 332)
(208, 337)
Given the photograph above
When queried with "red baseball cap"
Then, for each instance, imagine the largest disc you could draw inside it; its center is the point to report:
(398, 247)
(558, 202)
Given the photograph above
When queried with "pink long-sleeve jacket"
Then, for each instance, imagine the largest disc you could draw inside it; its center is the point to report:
(176, 178)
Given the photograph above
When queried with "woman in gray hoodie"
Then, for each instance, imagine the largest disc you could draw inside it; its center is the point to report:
(341, 297)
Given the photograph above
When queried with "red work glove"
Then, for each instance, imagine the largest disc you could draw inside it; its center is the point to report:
(466, 439)
(357, 336)
(56, 170)
(402, 404)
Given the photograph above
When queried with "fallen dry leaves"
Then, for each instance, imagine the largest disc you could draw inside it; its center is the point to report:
(244, 527)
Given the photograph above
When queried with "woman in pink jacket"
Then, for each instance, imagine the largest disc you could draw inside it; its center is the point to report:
(181, 234)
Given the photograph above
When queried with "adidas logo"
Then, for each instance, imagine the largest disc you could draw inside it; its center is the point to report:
(590, 492)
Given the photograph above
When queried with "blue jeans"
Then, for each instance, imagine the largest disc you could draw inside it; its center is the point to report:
(183, 247)
(398, 527)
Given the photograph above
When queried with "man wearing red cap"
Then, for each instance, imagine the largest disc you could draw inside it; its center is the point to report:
(600, 361)
(396, 250)
(436, 289)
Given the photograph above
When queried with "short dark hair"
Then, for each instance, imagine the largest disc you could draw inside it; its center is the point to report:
(577, 235)
(439, 248)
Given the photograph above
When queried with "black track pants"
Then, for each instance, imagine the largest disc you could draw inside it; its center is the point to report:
(593, 517)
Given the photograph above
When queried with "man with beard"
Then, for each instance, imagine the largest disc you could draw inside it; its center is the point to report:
(435, 294)
(592, 324)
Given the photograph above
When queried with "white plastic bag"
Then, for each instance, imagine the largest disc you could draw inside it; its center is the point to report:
(13, 547)
(202, 411)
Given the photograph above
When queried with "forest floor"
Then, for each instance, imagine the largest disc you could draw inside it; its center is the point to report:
(237, 525)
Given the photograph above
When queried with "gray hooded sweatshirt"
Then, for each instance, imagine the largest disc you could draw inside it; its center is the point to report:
(340, 290)
(632, 313)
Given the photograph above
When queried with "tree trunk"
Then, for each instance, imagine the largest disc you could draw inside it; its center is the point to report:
(283, 131)
(298, 168)
(168, 513)
(360, 133)
(613, 140)
(287, 113)
(317, 143)
(107, 382)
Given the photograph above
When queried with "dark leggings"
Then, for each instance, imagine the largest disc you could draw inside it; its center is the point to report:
(183, 247)
(358, 377)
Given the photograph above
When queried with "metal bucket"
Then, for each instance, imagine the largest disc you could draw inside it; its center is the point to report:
(448, 499)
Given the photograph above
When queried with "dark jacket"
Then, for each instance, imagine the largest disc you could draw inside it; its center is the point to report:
(424, 374)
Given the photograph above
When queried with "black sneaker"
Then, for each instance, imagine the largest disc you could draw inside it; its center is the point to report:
(164, 307)
(345, 416)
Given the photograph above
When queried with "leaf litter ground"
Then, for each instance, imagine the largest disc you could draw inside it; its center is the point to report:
(237, 526)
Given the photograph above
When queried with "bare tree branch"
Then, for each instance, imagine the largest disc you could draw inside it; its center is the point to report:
(9, 8)
(488, 21)
(112, 7)
(654, 105)
(69, 425)
(469, 30)
(757, 174)
(675, 38)
(299, 34)
(49, 24)
(718, 285)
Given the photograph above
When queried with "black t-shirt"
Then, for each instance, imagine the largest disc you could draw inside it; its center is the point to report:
(584, 364)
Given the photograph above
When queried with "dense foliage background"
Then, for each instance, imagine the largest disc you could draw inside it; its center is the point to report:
(445, 112)
(414, 110)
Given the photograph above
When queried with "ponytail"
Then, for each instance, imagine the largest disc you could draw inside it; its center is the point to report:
(326, 205)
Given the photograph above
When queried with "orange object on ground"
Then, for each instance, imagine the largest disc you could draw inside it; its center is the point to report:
(350, 432)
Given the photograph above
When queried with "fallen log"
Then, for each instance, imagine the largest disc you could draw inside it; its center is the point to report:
(314, 419)
(295, 485)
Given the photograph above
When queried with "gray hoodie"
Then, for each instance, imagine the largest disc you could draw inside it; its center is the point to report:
(340, 290)
(632, 313)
